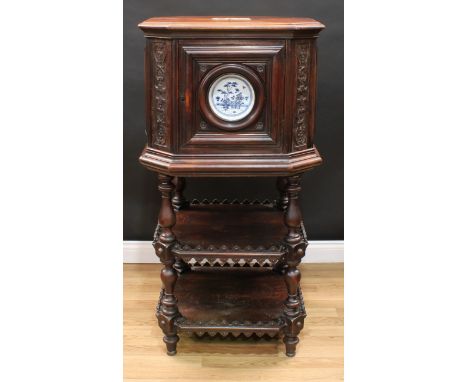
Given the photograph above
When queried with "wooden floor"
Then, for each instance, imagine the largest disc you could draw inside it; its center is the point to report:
(319, 353)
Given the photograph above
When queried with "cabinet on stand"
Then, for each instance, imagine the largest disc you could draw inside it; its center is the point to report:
(230, 97)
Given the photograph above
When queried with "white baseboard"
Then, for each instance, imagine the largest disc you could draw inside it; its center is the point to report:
(317, 252)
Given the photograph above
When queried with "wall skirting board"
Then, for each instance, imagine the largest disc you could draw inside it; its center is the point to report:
(317, 252)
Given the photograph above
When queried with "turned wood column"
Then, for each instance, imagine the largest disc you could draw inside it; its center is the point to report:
(163, 247)
(178, 199)
(178, 202)
(281, 184)
(282, 204)
(296, 246)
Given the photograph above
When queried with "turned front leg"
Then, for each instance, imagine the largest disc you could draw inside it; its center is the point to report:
(169, 311)
(293, 315)
(163, 246)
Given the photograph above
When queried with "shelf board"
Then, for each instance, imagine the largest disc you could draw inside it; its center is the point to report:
(230, 225)
(227, 301)
(230, 233)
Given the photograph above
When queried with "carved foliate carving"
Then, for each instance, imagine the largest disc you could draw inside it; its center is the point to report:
(159, 104)
(302, 94)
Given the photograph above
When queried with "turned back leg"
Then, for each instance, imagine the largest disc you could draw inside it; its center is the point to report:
(178, 199)
(178, 202)
(281, 185)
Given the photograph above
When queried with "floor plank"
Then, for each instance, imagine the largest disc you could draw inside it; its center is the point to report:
(319, 353)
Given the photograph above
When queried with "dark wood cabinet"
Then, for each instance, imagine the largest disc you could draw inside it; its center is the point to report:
(227, 97)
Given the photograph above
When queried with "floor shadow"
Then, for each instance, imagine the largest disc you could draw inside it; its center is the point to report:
(190, 344)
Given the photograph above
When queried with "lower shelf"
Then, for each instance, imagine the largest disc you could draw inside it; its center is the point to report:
(230, 301)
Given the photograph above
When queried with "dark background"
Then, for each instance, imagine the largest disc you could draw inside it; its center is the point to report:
(322, 188)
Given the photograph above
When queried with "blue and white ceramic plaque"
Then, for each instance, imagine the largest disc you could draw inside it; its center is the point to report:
(231, 97)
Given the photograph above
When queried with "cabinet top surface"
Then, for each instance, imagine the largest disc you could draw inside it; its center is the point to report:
(231, 23)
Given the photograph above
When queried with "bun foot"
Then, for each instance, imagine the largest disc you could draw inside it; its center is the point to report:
(171, 344)
(290, 343)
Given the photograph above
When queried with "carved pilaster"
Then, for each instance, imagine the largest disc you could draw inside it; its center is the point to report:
(293, 315)
(163, 246)
(302, 94)
(159, 107)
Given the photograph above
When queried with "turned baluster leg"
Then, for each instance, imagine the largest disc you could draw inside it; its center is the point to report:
(168, 311)
(293, 315)
(178, 199)
(281, 184)
(282, 204)
(178, 202)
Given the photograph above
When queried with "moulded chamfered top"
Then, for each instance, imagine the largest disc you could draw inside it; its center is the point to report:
(231, 23)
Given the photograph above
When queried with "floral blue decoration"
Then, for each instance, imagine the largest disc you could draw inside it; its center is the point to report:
(232, 99)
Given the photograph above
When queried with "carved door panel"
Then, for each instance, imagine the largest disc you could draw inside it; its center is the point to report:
(231, 96)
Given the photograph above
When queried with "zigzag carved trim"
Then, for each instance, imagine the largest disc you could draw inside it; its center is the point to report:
(231, 262)
(225, 334)
(278, 248)
(234, 328)
(245, 202)
(271, 324)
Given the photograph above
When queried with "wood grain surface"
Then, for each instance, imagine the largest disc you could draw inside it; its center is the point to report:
(231, 23)
(319, 353)
(184, 58)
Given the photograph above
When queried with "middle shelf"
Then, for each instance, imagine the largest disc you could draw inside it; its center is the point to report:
(230, 234)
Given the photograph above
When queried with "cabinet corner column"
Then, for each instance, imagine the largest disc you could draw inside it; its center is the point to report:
(168, 311)
(296, 245)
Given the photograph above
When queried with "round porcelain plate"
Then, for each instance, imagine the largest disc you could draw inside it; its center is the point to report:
(231, 97)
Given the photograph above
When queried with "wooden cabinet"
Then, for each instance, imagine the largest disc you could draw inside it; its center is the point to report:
(227, 97)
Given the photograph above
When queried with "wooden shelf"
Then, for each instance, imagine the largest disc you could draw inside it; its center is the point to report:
(220, 301)
(230, 233)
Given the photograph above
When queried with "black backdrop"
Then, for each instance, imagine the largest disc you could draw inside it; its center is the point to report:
(322, 192)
